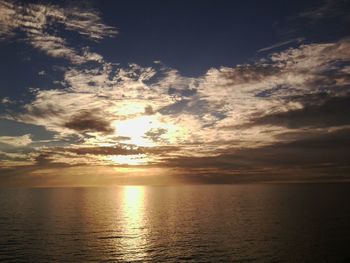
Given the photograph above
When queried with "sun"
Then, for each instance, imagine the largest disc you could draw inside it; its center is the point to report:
(136, 128)
(138, 159)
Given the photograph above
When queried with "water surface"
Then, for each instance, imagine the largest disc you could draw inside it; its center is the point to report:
(202, 223)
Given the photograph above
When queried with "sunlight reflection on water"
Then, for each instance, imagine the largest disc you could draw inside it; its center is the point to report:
(134, 230)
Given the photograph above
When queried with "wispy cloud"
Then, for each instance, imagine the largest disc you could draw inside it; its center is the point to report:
(281, 44)
(16, 141)
(326, 9)
(37, 20)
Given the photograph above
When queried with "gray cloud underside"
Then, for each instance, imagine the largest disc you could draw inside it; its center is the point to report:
(322, 113)
(88, 121)
(118, 150)
(317, 158)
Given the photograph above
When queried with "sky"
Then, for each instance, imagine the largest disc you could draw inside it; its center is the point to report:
(166, 92)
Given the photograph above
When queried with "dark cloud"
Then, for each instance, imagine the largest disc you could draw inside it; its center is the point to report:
(198, 107)
(149, 110)
(331, 112)
(117, 150)
(42, 159)
(323, 156)
(271, 91)
(243, 74)
(87, 121)
(155, 134)
(181, 92)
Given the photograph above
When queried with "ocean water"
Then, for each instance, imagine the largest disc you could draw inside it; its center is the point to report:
(197, 223)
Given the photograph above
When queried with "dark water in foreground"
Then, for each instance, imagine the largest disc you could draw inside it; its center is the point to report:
(229, 223)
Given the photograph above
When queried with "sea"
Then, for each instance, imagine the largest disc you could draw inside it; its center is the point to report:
(299, 222)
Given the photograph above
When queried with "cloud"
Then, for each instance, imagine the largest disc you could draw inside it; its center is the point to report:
(93, 100)
(37, 20)
(7, 101)
(16, 141)
(212, 107)
(313, 158)
(327, 9)
(55, 47)
(319, 16)
(149, 110)
(88, 121)
(229, 121)
(280, 44)
(7, 11)
(87, 23)
(18, 156)
(332, 112)
(42, 73)
(156, 134)
(269, 84)
(117, 150)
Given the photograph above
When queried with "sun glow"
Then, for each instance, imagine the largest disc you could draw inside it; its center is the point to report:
(136, 159)
(145, 131)
(136, 128)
